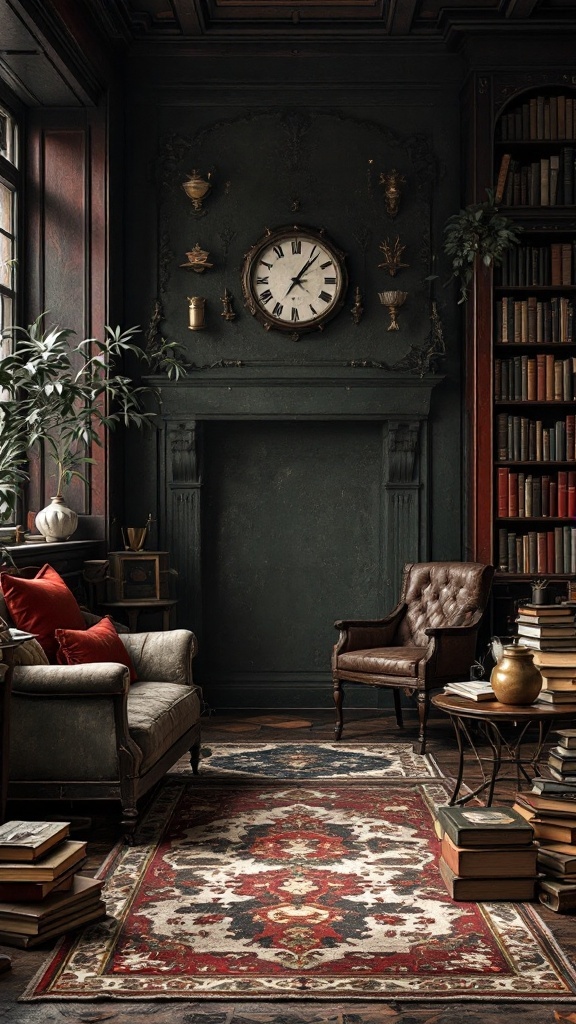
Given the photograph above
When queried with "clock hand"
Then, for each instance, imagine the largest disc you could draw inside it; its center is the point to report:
(296, 280)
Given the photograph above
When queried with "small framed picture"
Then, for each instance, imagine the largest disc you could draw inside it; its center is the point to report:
(139, 578)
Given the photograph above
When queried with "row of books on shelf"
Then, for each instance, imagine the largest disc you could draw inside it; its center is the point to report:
(540, 118)
(540, 379)
(548, 181)
(528, 439)
(525, 495)
(537, 551)
(529, 266)
(534, 321)
(42, 893)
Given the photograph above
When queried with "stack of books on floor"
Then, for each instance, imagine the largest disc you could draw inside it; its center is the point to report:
(547, 627)
(558, 671)
(488, 853)
(474, 689)
(42, 896)
(550, 808)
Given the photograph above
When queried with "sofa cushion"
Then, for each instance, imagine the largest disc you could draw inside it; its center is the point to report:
(158, 715)
(42, 605)
(99, 642)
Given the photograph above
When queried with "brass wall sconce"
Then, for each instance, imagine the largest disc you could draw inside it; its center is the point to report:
(197, 260)
(392, 185)
(197, 188)
(393, 300)
(357, 309)
(196, 313)
(392, 261)
(227, 308)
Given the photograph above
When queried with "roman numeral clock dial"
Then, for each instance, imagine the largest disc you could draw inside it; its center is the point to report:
(294, 279)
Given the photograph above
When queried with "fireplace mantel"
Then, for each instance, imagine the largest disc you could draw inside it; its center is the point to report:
(389, 411)
(289, 391)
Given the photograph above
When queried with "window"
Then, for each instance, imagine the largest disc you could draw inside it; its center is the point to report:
(9, 187)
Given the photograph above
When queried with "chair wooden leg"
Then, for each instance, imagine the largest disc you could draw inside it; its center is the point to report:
(338, 698)
(423, 701)
(398, 708)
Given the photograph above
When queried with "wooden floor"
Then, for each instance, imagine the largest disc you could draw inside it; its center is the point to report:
(100, 829)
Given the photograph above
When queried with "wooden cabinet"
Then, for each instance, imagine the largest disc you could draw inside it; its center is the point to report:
(521, 351)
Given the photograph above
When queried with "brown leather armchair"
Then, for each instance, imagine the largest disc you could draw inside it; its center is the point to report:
(428, 640)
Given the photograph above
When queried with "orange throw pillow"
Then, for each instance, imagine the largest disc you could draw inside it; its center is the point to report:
(99, 642)
(42, 605)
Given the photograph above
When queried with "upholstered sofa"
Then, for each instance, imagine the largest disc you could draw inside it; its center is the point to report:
(85, 732)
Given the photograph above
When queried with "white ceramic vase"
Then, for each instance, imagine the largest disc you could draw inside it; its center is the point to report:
(56, 522)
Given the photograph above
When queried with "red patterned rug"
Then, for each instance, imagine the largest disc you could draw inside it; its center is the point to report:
(310, 890)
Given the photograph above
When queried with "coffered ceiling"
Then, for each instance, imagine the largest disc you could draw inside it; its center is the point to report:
(296, 18)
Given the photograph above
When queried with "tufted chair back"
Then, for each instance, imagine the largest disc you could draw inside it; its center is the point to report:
(441, 594)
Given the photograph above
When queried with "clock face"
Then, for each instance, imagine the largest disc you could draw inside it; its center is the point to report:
(294, 280)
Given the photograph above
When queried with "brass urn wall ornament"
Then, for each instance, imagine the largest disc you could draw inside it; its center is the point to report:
(357, 309)
(227, 313)
(392, 183)
(196, 313)
(197, 260)
(392, 251)
(393, 300)
(197, 188)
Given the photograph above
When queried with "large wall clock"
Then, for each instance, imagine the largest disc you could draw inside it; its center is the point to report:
(294, 279)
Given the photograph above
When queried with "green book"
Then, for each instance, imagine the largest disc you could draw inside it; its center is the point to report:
(485, 826)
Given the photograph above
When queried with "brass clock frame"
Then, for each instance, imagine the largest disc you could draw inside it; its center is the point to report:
(277, 236)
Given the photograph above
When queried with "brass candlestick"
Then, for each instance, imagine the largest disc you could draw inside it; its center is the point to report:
(227, 307)
(393, 300)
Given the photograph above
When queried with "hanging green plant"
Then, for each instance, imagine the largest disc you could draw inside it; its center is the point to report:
(478, 231)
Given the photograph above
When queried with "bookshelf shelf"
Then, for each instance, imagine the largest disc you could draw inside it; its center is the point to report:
(521, 340)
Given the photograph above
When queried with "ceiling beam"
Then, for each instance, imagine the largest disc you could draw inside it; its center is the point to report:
(188, 16)
(400, 16)
(519, 8)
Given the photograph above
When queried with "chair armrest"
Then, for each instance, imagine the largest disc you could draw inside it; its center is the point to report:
(451, 651)
(439, 631)
(162, 656)
(357, 634)
(105, 677)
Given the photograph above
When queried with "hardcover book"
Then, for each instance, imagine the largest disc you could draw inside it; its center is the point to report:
(29, 840)
(484, 888)
(88, 916)
(485, 826)
(32, 918)
(53, 864)
(556, 895)
(490, 862)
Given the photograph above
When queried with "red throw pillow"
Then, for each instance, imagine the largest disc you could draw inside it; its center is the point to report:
(99, 642)
(42, 605)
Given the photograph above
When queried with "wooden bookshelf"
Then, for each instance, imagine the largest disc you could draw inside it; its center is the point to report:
(521, 341)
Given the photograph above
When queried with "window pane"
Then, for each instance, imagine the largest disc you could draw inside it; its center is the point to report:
(8, 137)
(6, 214)
(5, 260)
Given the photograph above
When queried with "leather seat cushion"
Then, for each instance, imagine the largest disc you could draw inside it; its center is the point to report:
(383, 661)
(158, 715)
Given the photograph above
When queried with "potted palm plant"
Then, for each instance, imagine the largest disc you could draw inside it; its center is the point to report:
(61, 394)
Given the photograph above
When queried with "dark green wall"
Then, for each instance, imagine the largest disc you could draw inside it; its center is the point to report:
(274, 132)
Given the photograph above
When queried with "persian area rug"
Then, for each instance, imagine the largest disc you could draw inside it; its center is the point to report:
(310, 891)
(313, 761)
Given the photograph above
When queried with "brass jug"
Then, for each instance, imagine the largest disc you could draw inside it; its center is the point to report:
(515, 679)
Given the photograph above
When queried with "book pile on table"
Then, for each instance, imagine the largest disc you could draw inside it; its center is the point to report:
(488, 853)
(558, 671)
(550, 808)
(473, 689)
(546, 627)
(42, 895)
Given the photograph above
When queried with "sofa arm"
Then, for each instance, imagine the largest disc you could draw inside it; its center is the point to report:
(106, 677)
(163, 656)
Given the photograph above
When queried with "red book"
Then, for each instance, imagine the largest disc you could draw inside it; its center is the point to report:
(503, 491)
(562, 494)
(572, 494)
